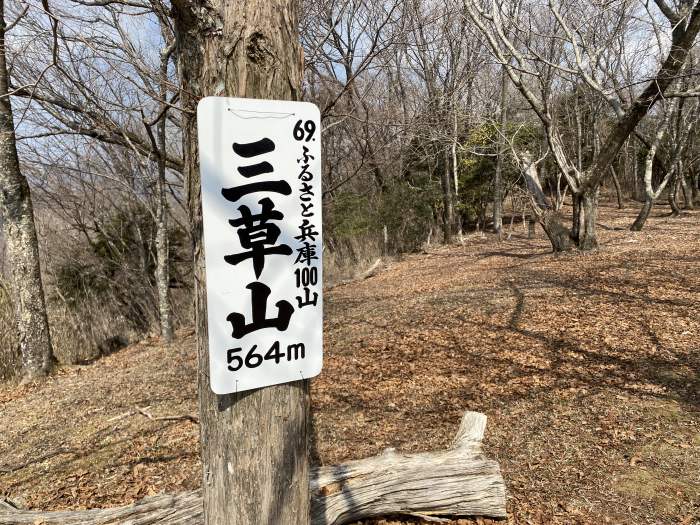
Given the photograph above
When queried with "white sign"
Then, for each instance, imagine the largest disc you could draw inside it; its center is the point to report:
(260, 165)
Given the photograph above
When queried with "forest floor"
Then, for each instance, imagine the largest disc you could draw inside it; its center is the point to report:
(587, 366)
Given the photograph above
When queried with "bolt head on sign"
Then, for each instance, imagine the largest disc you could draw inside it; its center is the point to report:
(260, 166)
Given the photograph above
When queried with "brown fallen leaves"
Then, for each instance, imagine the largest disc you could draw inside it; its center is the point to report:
(586, 364)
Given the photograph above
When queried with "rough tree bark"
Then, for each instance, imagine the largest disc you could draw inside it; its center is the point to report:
(688, 203)
(254, 444)
(550, 220)
(455, 482)
(17, 216)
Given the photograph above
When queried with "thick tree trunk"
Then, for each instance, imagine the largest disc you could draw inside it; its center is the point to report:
(455, 482)
(687, 195)
(558, 234)
(254, 444)
(576, 216)
(162, 249)
(21, 239)
(643, 215)
(550, 220)
(588, 214)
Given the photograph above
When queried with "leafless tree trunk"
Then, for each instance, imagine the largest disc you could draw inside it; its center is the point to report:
(547, 216)
(618, 190)
(673, 193)
(447, 197)
(687, 195)
(20, 235)
(162, 248)
(497, 178)
(254, 444)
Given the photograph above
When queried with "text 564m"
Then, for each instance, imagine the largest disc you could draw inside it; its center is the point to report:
(253, 358)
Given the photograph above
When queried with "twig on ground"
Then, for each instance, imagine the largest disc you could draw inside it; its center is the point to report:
(188, 417)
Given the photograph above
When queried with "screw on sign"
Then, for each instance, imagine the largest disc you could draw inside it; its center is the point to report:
(260, 164)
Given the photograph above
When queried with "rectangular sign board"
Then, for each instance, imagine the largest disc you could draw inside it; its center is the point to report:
(260, 166)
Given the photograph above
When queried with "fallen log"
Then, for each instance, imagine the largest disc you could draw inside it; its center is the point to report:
(458, 481)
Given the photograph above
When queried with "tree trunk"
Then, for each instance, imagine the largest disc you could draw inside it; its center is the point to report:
(588, 213)
(576, 216)
(497, 176)
(550, 220)
(20, 236)
(558, 234)
(458, 481)
(687, 195)
(695, 175)
(254, 444)
(641, 219)
(162, 249)
(447, 202)
(672, 196)
(618, 190)
(454, 167)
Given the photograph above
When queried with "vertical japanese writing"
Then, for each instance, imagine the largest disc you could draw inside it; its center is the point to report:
(306, 275)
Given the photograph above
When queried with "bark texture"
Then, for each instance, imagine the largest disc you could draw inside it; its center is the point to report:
(162, 247)
(550, 220)
(458, 481)
(254, 444)
(17, 216)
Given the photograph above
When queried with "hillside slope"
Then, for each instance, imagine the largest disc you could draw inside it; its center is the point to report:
(587, 366)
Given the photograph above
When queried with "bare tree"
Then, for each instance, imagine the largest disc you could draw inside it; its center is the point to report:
(677, 124)
(17, 215)
(589, 35)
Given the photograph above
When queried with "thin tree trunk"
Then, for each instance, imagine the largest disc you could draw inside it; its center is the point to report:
(618, 190)
(454, 166)
(162, 248)
(643, 215)
(254, 444)
(672, 196)
(20, 235)
(447, 203)
(650, 195)
(497, 176)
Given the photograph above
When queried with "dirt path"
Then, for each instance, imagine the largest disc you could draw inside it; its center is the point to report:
(587, 366)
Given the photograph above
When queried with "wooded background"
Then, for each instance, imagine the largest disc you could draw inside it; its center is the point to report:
(440, 118)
